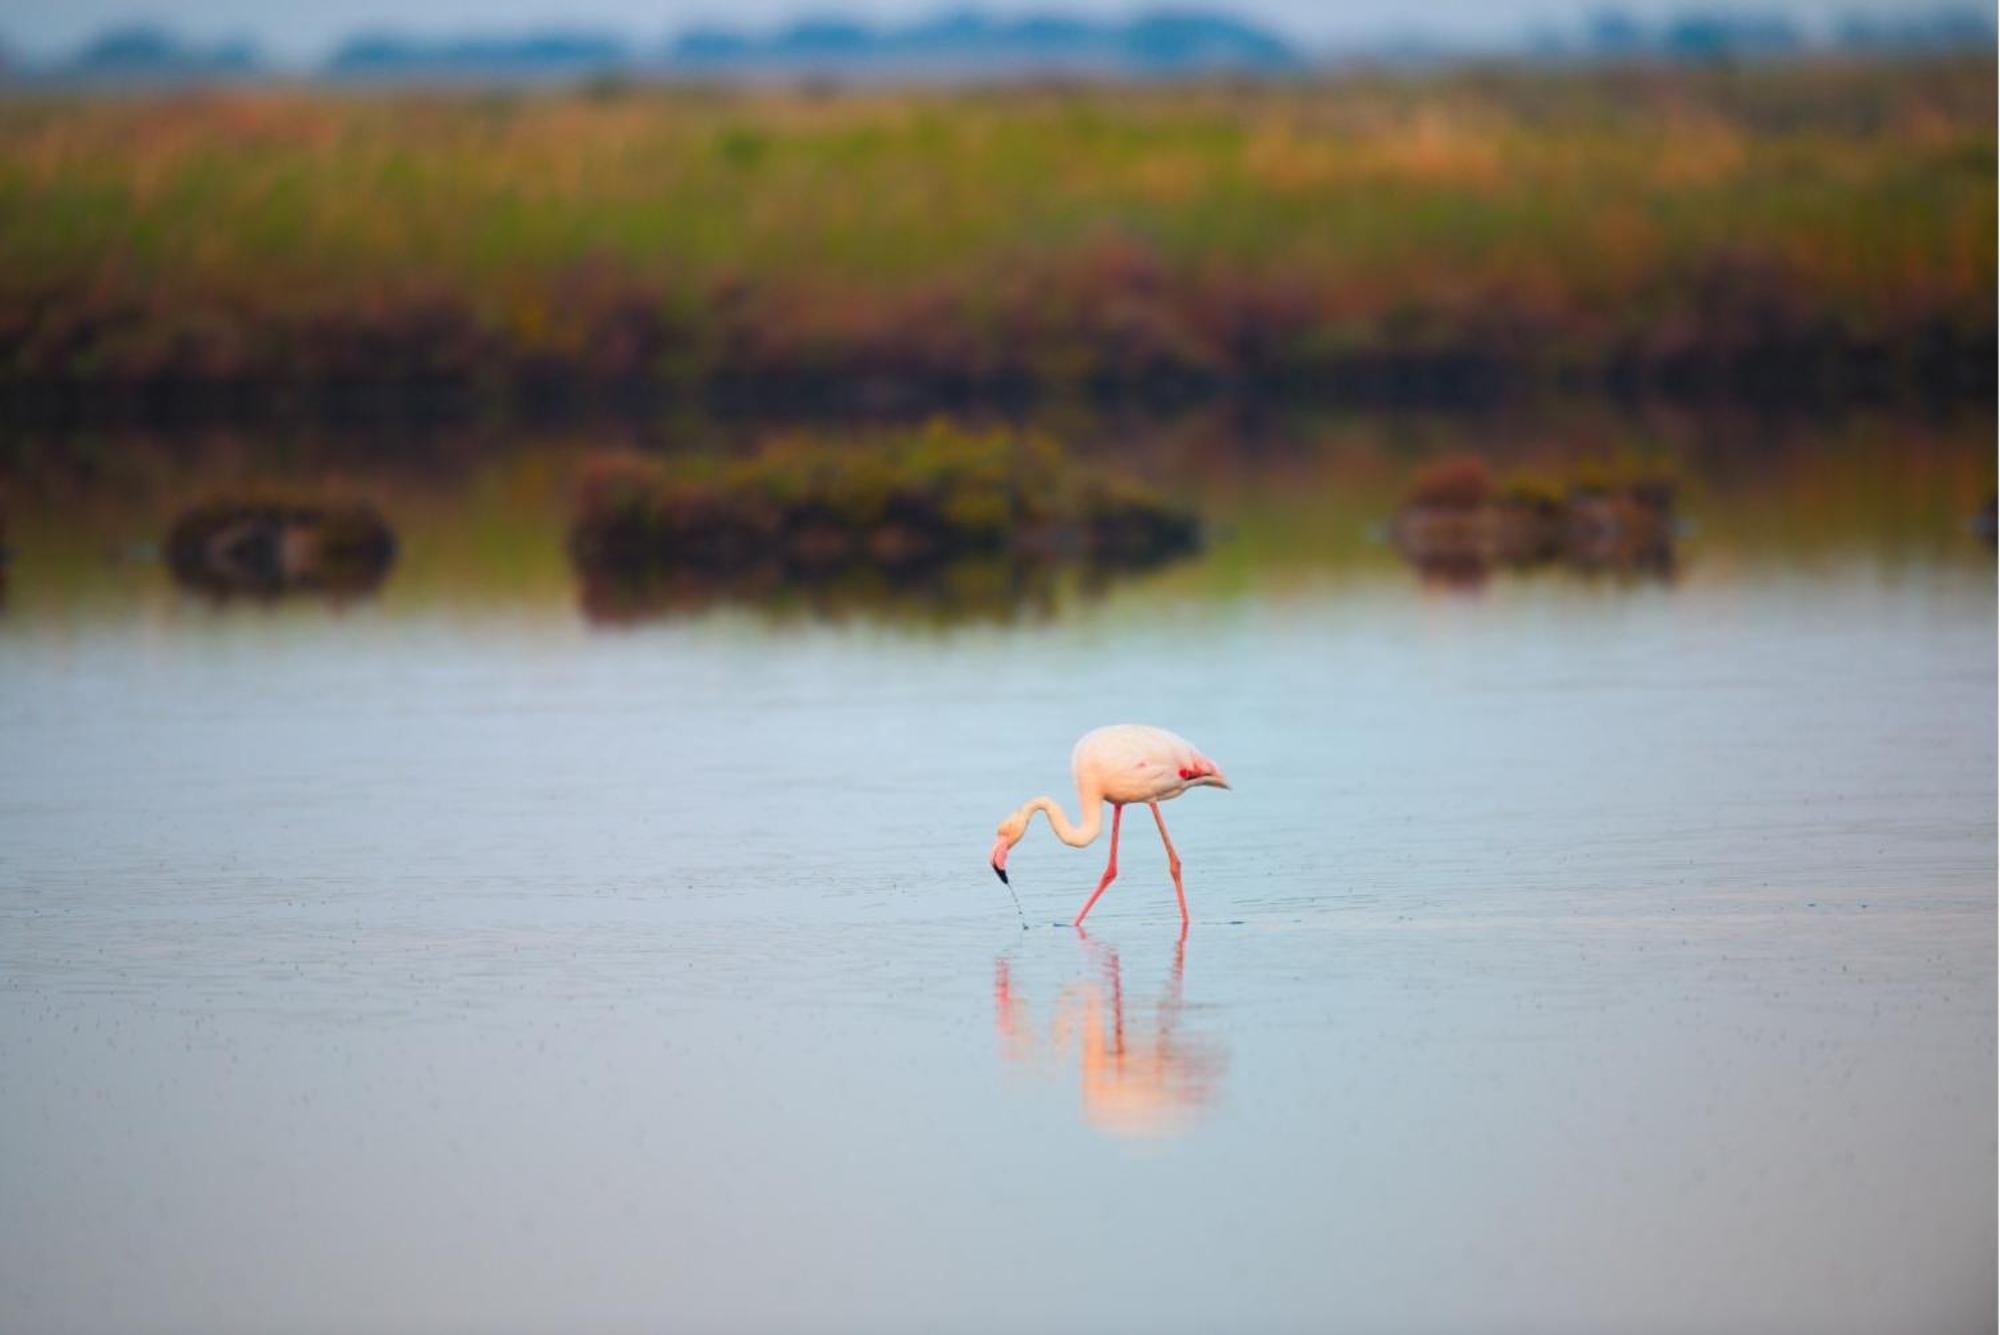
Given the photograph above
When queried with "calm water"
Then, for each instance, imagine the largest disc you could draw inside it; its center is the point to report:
(1571, 955)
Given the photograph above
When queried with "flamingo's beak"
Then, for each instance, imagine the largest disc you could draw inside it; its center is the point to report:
(999, 860)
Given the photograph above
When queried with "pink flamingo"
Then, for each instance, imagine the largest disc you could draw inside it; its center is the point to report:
(1126, 763)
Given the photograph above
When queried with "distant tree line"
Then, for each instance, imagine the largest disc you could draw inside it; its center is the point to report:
(971, 45)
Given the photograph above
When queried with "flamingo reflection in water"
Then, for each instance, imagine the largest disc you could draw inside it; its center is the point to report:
(1140, 1080)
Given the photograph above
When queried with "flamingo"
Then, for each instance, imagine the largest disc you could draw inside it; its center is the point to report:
(1122, 764)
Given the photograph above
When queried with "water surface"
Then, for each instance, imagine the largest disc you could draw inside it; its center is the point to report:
(1572, 954)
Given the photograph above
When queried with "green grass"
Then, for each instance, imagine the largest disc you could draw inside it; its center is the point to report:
(1556, 219)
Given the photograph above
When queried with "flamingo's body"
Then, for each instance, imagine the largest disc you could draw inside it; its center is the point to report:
(1123, 764)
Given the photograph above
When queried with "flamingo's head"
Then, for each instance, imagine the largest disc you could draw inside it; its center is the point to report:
(1204, 773)
(1009, 834)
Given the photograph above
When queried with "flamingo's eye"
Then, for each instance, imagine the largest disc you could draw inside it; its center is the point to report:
(1187, 774)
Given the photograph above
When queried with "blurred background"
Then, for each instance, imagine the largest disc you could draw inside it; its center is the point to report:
(432, 263)
(537, 541)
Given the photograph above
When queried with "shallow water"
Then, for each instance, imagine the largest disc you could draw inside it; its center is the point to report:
(1571, 955)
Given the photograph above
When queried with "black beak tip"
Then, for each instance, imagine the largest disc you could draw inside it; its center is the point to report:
(1001, 872)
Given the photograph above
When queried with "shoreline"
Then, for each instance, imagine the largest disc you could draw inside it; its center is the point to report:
(1937, 370)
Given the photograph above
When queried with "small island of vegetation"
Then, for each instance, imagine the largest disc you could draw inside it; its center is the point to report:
(268, 542)
(904, 504)
(1458, 520)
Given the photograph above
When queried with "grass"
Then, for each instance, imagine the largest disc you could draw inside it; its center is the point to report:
(909, 500)
(1816, 225)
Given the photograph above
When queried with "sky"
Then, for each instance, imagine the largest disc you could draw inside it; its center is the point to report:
(303, 32)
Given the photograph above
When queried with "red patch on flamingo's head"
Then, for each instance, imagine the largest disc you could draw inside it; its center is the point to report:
(1188, 773)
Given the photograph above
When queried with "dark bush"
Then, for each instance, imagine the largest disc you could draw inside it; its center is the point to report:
(907, 501)
(271, 543)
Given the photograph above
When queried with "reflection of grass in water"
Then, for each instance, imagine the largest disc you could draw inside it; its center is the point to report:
(495, 530)
(1897, 495)
(1311, 501)
(984, 589)
(1289, 503)
(94, 534)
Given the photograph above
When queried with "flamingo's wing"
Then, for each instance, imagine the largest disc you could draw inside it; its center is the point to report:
(1135, 763)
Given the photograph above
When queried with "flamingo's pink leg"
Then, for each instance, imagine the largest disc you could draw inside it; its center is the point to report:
(1110, 868)
(1173, 863)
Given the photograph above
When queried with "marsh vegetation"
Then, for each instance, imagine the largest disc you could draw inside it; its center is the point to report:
(917, 508)
(1797, 232)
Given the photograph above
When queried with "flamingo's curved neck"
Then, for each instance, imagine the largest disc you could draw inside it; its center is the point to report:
(1075, 835)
